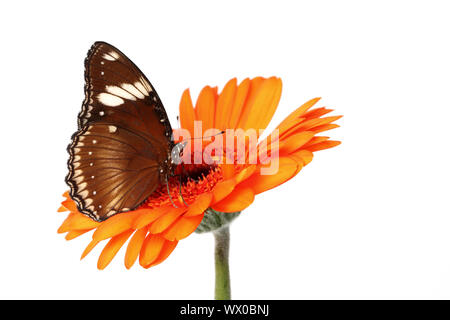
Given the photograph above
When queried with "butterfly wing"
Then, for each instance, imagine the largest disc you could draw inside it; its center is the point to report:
(121, 150)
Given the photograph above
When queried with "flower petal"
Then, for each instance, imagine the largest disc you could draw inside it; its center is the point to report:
(187, 113)
(261, 105)
(228, 170)
(287, 168)
(223, 189)
(151, 248)
(89, 248)
(205, 108)
(183, 227)
(77, 221)
(163, 222)
(317, 112)
(294, 142)
(111, 249)
(166, 250)
(238, 200)
(287, 122)
(62, 209)
(115, 225)
(147, 216)
(238, 105)
(323, 145)
(70, 205)
(245, 173)
(200, 205)
(134, 247)
(305, 155)
(225, 104)
(316, 122)
(325, 127)
(76, 233)
(255, 85)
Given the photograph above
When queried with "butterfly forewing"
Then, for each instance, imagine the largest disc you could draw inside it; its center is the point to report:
(121, 150)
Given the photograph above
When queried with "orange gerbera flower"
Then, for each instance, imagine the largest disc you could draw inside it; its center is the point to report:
(155, 228)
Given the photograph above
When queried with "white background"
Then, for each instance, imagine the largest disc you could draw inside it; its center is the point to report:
(366, 220)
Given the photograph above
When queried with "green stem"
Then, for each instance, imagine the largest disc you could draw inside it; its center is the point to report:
(222, 241)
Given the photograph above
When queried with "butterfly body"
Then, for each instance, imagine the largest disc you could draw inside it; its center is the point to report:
(122, 150)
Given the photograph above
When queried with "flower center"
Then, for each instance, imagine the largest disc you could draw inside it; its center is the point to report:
(189, 181)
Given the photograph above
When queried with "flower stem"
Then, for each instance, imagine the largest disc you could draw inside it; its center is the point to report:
(222, 247)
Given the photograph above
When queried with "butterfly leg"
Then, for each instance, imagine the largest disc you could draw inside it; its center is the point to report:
(170, 196)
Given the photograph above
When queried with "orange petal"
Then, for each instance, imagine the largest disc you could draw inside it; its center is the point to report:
(238, 200)
(294, 142)
(147, 216)
(200, 205)
(261, 105)
(111, 249)
(305, 155)
(134, 247)
(66, 223)
(315, 140)
(115, 225)
(324, 145)
(89, 248)
(225, 104)
(187, 113)
(205, 108)
(313, 123)
(76, 233)
(316, 113)
(62, 209)
(151, 249)
(238, 105)
(228, 170)
(70, 205)
(325, 127)
(299, 112)
(163, 222)
(245, 174)
(77, 221)
(183, 227)
(287, 168)
(166, 250)
(255, 85)
(223, 189)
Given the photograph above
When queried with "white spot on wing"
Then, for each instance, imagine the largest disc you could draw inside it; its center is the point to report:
(109, 57)
(120, 92)
(114, 54)
(141, 88)
(112, 129)
(109, 99)
(133, 90)
(146, 84)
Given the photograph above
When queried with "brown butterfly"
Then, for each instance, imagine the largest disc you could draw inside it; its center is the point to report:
(122, 150)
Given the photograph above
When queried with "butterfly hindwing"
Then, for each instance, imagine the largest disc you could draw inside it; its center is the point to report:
(120, 152)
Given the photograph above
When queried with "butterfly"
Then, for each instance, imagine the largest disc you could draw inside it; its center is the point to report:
(123, 149)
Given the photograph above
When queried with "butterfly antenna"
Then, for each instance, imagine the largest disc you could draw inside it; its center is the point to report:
(168, 192)
(217, 134)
